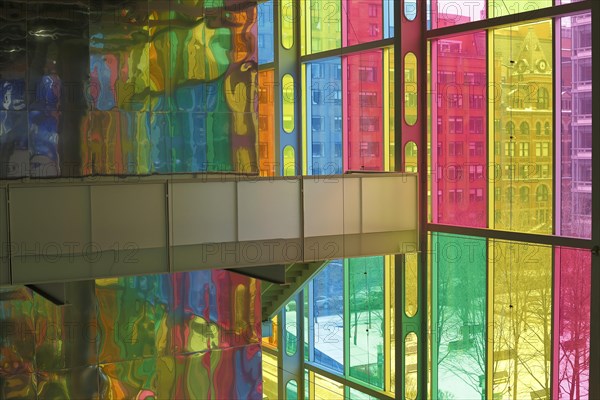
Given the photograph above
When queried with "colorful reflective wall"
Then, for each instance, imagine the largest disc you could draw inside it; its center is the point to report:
(183, 336)
(127, 87)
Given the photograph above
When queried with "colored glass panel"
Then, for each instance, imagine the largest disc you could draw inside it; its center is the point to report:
(521, 313)
(459, 316)
(287, 23)
(411, 284)
(521, 195)
(411, 157)
(411, 363)
(388, 18)
(363, 21)
(391, 85)
(266, 122)
(572, 319)
(411, 99)
(574, 130)
(289, 161)
(324, 117)
(322, 25)
(454, 12)
(410, 9)
(266, 45)
(291, 390)
(363, 106)
(288, 93)
(291, 328)
(327, 389)
(498, 8)
(366, 325)
(391, 357)
(271, 341)
(328, 317)
(458, 108)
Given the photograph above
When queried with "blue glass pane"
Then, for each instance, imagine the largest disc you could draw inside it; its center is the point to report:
(388, 14)
(265, 32)
(324, 117)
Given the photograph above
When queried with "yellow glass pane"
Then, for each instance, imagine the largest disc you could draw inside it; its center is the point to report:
(288, 95)
(412, 366)
(521, 193)
(410, 157)
(498, 8)
(289, 161)
(326, 389)
(520, 364)
(269, 371)
(411, 284)
(287, 23)
(392, 122)
(391, 356)
(410, 89)
(271, 341)
(322, 25)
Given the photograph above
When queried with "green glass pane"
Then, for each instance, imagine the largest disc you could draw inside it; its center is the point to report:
(410, 89)
(522, 324)
(522, 180)
(287, 23)
(291, 329)
(366, 325)
(291, 390)
(323, 25)
(288, 94)
(459, 316)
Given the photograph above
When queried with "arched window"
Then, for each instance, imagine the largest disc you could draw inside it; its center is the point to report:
(547, 128)
(541, 193)
(538, 128)
(524, 194)
(510, 128)
(524, 128)
(543, 99)
(510, 194)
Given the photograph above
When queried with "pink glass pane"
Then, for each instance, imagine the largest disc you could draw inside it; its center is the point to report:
(362, 22)
(453, 12)
(572, 345)
(574, 126)
(459, 126)
(363, 107)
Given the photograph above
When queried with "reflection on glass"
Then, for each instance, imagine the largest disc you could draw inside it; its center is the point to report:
(575, 128)
(362, 80)
(411, 99)
(458, 125)
(265, 32)
(522, 66)
(291, 328)
(266, 122)
(288, 92)
(289, 161)
(411, 284)
(269, 376)
(287, 23)
(572, 344)
(411, 157)
(328, 316)
(323, 25)
(326, 389)
(412, 366)
(366, 325)
(522, 312)
(364, 21)
(324, 117)
(459, 316)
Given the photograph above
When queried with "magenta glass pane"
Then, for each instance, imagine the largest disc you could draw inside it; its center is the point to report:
(362, 22)
(459, 126)
(572, 346)
(363, 100)
(454, 12)
(574, 126)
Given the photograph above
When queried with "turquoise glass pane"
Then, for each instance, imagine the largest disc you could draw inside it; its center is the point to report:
(459, 316)
(366, 324)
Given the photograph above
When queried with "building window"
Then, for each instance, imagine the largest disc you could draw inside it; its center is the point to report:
(543, 99)
(475, 195)
(446, 77)
(455, 101)
(476, 125)
(316, 123)
(542, 149)
(455, 173)
(455, 148)
(455, 125)
(509, 149)
(367, 74)
(316, 96)
(369, 124)
(541, 193)
(476, 101)
(367, 99)
(373, 30)
(510, 128)
(538, 128)
(524, 128)
(317, 149)
(475, 172)
(337, 123)
(524, 194)
(373, 10)
(369, 149)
